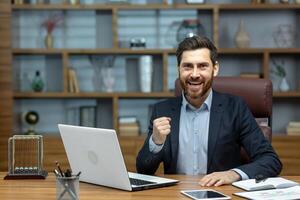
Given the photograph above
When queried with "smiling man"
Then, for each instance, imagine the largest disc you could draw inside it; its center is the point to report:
(201, 132)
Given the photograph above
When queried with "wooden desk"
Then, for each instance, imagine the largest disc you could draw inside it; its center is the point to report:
(46, 189)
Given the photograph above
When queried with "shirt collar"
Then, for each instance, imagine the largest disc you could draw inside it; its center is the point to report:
(205, 106)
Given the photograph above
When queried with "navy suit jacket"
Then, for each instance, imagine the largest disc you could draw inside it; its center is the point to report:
(232, 126)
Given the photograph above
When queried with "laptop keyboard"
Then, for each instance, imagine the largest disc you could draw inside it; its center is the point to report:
(135, 181)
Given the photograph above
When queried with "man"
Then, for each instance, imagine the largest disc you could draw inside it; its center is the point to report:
(202, 131)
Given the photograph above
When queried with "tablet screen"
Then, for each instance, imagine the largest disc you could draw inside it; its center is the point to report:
(204, 194)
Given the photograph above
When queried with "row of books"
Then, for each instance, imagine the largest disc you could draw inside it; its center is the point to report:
(129, 126)
(82, 115)
(73, 85)
(293, 128)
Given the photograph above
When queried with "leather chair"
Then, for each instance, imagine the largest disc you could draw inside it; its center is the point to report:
(257, 94)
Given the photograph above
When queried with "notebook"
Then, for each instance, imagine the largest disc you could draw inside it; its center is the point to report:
(281, 194)
(97, 154)
(269, 183)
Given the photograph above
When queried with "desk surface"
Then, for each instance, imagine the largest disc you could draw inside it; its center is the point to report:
(45, 189)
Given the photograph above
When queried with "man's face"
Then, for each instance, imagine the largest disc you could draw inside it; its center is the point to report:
(196, 72)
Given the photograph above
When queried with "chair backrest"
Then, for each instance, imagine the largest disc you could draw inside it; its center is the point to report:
(257, 94)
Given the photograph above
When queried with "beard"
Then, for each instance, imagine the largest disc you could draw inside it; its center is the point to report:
(196, 93)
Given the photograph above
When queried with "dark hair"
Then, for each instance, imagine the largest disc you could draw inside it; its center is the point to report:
(196, 42)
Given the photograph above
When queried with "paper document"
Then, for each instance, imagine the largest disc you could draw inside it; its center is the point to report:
(274, 194)
(269, 183)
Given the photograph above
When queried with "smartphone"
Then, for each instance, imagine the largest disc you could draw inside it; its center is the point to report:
(204, 194)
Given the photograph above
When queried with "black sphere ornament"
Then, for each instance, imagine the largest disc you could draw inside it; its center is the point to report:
(32, 117)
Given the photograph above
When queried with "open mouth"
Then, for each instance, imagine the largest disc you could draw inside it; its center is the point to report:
(194, 85)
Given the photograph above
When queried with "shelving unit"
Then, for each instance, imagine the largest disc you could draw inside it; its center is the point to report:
(110, 26)
(213, 16)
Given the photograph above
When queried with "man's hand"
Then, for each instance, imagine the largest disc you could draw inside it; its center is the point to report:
(219, 178)
(161, 128)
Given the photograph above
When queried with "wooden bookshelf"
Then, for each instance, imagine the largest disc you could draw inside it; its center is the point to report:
(215, 11)
(6, 103)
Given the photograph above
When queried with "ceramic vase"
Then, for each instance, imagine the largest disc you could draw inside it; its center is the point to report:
(284, 85)
(37, 82)
(242, 39)
(145, 73)
(19, 1)
(74, 2)
(49, 41)
(108, 78)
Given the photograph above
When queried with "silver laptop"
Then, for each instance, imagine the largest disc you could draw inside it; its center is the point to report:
(97, 154)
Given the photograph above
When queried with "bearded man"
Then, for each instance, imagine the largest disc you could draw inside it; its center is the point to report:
(201, 132)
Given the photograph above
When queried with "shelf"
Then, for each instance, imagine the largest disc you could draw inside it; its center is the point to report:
(157, 6)
(62, 95)
(277, 6)
(151, 51)
(33, 95)
(295, 94)
(90, 51)
(241, 51)
(90, 7)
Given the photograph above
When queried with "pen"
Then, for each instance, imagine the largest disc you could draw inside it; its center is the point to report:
(260, 178)
(60, 171)
(56, 173)
(78, 174)
(68, 173)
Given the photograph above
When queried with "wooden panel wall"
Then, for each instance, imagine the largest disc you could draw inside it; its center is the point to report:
(287, 148)
(54, 151)
(6, 100)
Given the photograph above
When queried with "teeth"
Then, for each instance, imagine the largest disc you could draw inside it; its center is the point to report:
(194, 83)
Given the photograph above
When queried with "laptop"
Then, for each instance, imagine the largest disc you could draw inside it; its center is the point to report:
(97, 154)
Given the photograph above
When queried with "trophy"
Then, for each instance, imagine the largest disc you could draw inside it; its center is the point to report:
(25, 157)
(32, 119)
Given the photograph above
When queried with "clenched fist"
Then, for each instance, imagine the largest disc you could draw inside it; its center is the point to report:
(161, 128)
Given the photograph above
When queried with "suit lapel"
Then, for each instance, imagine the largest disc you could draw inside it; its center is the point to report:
(216, 115)
(175, 116)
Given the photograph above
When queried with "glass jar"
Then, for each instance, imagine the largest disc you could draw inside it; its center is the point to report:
(189, 28)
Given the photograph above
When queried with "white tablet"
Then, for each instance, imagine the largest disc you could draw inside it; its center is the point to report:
(205, 194)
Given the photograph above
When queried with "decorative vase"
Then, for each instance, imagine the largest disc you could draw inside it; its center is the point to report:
(189, 28)
(284, 1)
(108, 78)
(242, 39)
(19, 2)
(145, 73)
(284, 36)
(37, 82)
(284, 85)
(74, 2)
(49, 41)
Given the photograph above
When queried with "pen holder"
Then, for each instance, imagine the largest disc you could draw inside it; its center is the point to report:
(67, 188)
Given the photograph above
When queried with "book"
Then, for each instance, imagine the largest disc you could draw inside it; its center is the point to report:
(294, 124)
(293, 128)
(129, 129)
(269, 183)
(127, 119)
(250, 75)
(87, 116)
(72, 81)
(282, 194)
